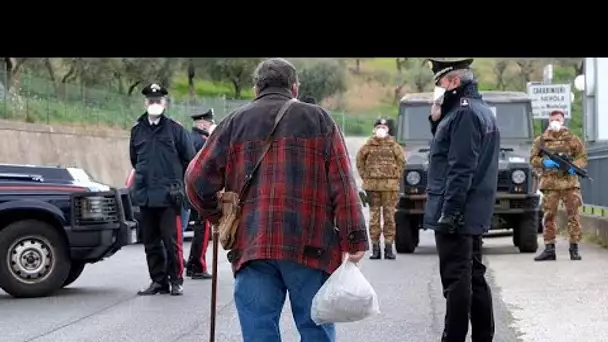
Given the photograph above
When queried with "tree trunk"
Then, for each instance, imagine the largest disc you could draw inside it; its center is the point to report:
(132, 88)
(397, 93)
(49, 68)
(191, 75)
(237, 88)
(357, 66)
(13, 71)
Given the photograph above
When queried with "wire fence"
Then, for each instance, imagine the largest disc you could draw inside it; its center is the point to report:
(36, 99)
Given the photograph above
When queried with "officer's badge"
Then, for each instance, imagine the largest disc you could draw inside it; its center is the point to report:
(464, 102)
(383, 122)
(155, 87)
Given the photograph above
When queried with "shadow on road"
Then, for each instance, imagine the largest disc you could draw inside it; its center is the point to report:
(71, 292)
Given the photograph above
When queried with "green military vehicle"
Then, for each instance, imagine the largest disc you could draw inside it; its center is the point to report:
(517, 203)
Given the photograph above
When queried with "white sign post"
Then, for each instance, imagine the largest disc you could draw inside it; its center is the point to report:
(547, 97)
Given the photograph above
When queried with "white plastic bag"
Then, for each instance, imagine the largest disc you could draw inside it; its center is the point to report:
(345, 297)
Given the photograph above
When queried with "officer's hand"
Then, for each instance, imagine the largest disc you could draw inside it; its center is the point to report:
(550, 164)
(356, 257)
(435, 112)
(571, 171)
(447, 223)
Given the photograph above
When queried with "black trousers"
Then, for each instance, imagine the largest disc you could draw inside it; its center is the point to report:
(465, 288)
(197, 261)
(162, 238)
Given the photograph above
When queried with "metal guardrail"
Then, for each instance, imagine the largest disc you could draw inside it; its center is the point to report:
(595, 210)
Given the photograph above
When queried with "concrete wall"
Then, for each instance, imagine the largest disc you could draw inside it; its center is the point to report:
(103, 154)
(590, 225)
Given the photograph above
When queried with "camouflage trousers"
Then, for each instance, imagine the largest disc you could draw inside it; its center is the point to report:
(572, 201)
(382, 204)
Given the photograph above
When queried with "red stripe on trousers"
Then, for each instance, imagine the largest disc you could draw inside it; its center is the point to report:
(180, 246)
(204, 247)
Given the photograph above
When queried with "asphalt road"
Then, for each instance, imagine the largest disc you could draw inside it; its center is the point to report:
(560, 301)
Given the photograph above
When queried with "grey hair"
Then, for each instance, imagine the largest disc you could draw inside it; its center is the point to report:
(463, 74)
(275, 72)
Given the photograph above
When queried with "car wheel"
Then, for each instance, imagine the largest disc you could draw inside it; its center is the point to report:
(34, 260)
(407, 232)
(527, 232)
(75, 272)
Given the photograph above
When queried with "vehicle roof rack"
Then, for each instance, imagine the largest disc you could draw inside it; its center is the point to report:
(20, 176)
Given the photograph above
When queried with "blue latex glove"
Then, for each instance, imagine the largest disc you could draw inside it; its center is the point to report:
(571, 171)
(550, 164)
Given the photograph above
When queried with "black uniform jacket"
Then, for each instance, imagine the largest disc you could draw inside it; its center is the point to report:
(160, 155)
(199, 137)
(463, 162)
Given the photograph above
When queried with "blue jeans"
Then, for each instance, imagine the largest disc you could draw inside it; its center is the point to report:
(185, 218)
(260, 289)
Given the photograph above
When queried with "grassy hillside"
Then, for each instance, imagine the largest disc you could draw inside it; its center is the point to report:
(373, 89)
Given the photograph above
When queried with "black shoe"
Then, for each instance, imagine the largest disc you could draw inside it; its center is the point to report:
(388, 251)
(153, 289)
(177, 290)
(375, 251)
(574, 252)
(548, 254)
(200, 275)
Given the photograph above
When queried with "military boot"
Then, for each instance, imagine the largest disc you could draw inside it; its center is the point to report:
(574, 252)
(388, 251)
(547, 254)
(375, 251)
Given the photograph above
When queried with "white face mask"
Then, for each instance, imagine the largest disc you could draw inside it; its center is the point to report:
(381, 132)
(155, 109)
(555, 125)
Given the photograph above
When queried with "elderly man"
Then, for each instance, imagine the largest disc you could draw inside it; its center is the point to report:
(301, 212)
(461, 192)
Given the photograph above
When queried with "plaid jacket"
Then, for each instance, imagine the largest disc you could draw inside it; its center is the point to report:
(302, 205)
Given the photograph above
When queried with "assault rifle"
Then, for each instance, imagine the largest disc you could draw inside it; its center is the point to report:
(565, 162)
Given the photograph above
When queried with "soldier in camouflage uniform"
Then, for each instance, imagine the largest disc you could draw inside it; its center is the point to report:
(558, 185)
(380, 163)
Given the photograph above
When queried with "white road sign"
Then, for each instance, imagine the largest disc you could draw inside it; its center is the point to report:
(547, 97)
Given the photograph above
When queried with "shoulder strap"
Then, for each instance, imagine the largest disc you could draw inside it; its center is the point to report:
(265, 149)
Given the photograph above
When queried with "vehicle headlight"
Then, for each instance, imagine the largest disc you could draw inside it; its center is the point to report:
(413, 177)
(518, 176)
(92, 208)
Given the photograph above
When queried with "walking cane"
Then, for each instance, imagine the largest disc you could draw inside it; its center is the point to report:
(213, 284)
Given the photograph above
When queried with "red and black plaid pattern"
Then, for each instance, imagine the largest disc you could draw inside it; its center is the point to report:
(303, 204)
